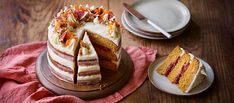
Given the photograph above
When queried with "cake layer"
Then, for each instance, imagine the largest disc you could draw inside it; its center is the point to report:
(60, 53)
(112, 65)
(193, 76)
(88, 68)
(60, 60)
(102, 35)
(87, 73)
(170, 62)
(90, 77)
(97, 39)
(104, 52)
(181, 66)
(59, 72)
(60, 66)
(87, 62)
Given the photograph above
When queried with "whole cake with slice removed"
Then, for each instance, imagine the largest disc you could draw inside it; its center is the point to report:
(99, 47)
(183, 69)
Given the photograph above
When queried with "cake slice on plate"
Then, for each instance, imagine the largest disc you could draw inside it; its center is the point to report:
(88, 64)
(193, 76)
(183, 69)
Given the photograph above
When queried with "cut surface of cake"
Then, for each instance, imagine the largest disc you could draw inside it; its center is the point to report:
(180, 67)
(186, 71)
(171, 60)
(88, 65)
(67, 29)
(193, 76)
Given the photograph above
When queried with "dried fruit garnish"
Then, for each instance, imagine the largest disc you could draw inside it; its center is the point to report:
(79, 14)
(66, 36)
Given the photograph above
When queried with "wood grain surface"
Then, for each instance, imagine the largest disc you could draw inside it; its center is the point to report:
(210, 36)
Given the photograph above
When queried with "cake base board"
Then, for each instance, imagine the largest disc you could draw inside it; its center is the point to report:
(111, 81)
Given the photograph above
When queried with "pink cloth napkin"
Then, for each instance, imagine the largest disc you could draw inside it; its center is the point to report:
(19, 84)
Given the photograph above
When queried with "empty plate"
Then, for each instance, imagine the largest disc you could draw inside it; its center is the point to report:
(143, 35)
(162, 83)
(171, 15)
(147, 34)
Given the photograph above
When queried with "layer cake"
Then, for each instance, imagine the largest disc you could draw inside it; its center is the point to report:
(66, 32)
(183, 69)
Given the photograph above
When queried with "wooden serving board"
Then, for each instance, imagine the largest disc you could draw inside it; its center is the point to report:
(111, 81)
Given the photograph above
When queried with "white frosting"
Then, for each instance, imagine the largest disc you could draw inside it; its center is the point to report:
(191, 57)
(60, 60)
(101, 30)
(197, 78)
(85, 51)
(59, 71)
(90, 54)
(91, 77)
(96, 20)
(182, 52)
(88, 68)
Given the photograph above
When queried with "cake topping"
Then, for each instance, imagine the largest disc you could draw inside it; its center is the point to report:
(75, 16)
(85, 49)
(66, 37)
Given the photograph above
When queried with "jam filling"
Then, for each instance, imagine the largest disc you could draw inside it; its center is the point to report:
(184, 68)
(172, 65)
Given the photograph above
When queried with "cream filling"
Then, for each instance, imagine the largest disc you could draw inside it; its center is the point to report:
(197, 78)
(88, 68)
(59, 71)
(60, 60)
(90, 77)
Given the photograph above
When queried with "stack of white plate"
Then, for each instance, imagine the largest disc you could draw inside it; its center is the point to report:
(171, 15)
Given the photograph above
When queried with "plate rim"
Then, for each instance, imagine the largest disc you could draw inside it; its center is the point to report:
(141, 35)
(174, 2)
(157, 35)
(150, 68)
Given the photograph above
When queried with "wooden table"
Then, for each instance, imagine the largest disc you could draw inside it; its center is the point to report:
(209, 36)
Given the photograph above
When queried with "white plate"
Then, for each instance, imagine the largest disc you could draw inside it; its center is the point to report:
(163, 84)
(171, 15)
(157, 35)
(143, 35)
